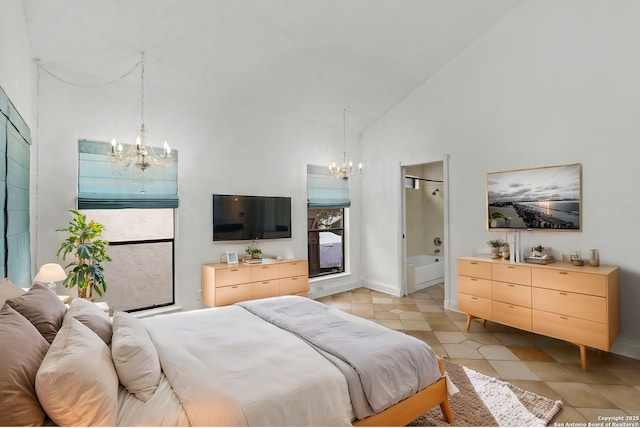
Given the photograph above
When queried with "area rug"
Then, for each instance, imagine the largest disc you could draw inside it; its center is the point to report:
(486, 401)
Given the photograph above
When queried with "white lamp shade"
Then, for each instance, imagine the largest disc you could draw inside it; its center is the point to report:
(50, 272)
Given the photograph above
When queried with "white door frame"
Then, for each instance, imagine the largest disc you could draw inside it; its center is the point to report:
(402, 242)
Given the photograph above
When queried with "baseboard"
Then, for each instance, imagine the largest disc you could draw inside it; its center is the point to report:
(626, 349)
(428, 284)
(381, 287)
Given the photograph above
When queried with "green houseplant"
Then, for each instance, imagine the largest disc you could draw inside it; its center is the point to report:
(255, 253)
(90, 251)
(495, 245)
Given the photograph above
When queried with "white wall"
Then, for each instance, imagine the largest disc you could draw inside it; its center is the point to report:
(554, 82)
(221, 150)
(17, 75)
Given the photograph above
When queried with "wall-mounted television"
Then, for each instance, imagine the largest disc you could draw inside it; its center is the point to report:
(547, 198)
(242, 218)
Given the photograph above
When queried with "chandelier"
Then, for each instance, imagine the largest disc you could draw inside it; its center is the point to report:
(141, 156)
(345, 170)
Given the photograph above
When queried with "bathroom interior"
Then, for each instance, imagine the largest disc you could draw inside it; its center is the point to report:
(424, 199)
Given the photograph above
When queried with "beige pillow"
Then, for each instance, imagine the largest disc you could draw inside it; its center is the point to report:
(77, 383)
(8, 290)
(42, 307)
(91, 316)
(134, 356)
(22, 349)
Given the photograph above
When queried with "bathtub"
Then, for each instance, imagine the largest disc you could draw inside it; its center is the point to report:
(424, 271)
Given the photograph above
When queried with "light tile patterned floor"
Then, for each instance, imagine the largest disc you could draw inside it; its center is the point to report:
(549, 367)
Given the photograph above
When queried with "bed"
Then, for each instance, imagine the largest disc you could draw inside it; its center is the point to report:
(283, 361)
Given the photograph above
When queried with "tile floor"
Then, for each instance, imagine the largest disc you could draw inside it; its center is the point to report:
(549, 367)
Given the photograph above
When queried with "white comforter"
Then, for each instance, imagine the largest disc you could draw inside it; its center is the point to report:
(262, 374)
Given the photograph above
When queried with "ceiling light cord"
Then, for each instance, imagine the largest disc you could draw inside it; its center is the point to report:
(99, 85)
(141, 88)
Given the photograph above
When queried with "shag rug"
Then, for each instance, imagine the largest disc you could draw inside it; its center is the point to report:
(486, 401)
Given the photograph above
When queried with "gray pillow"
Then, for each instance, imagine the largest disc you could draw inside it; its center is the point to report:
(42, 307)
(8, 290)
(22, 349)
(91, 316)
(135, 356)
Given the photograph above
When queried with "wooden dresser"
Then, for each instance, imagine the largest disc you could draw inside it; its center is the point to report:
(579, 304)
(225, 284)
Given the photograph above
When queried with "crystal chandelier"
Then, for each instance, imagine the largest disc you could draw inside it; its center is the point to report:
(345, 170)
(141, 156)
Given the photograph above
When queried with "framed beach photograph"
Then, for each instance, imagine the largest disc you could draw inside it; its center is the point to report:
(546, 198)
(232, 258)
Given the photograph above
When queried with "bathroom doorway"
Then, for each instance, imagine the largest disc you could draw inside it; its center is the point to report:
(424, 207)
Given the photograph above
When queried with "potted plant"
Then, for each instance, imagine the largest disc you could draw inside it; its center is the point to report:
(495, 245)
(537, 251)
(505, 251)
(253, 251)
(90, 251)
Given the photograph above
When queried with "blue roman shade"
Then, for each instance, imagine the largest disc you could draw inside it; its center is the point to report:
(324, 190)
(103, 185)
(15, 148)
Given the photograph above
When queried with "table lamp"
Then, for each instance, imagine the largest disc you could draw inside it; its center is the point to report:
(50, 272)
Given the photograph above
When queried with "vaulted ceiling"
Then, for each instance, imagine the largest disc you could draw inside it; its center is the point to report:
(304, 59)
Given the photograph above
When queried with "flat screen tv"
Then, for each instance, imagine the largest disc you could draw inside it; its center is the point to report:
(546, 198)
(242, 218)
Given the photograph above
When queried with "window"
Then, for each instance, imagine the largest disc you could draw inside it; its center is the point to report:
(325, 241)
(139, 226)
(141, 246)
(15, 146)
(327, 199)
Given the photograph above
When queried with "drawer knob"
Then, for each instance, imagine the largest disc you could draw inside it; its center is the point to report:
(265, 282)
(562, 293)
(511, 267)
(511, 285)
(563, 318)
(563, 273)
(234, 286)
(474, 298)
(295, 278)
(473, 263)
(474, 280)
(234, 270)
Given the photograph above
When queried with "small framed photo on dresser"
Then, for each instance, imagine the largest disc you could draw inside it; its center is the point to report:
(232, 258)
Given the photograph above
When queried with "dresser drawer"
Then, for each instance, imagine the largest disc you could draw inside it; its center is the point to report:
(511, 273)
(474, 286)
(592, 308)
(235, 275)
(511, 293)
(474, 268)
(294, 285)
(232, 294)
(573, 330)
(296, 268)
(262, 289)
(563, 280)
(476, 306)
(265, 272)
(513, 315)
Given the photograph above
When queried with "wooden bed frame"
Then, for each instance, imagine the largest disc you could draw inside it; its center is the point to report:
(417, 405)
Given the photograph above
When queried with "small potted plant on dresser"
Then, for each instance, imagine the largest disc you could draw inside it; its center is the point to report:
(85, 243)
(505, 252)
(495, 245)
(254, 251)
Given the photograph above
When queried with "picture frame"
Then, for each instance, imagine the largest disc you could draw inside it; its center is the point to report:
(232, 258)
(546, 198)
